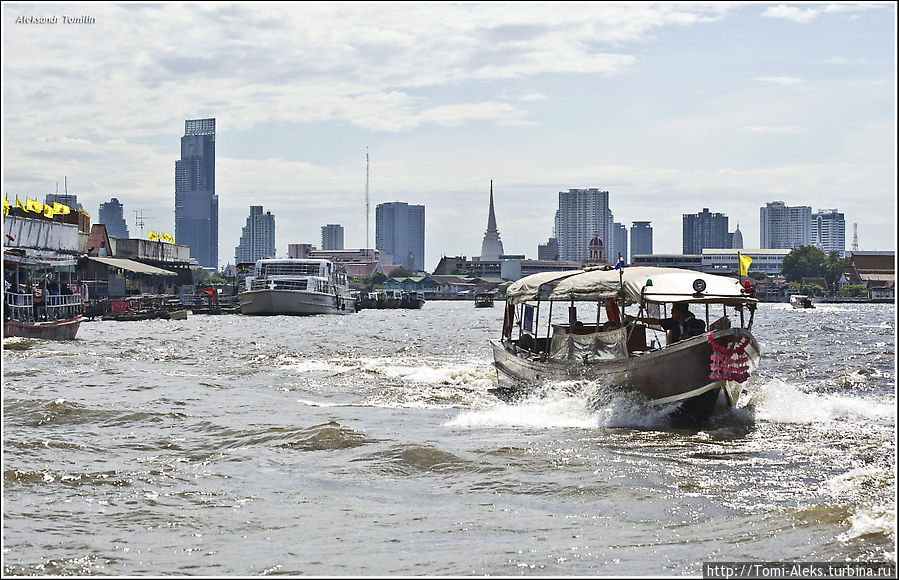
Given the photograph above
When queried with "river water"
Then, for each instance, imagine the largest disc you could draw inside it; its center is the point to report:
(368, 445)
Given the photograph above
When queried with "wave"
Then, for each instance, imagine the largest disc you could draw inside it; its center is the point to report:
(581, 404)
(780, 402)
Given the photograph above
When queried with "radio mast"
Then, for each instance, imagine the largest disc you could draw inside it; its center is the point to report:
(367, 212)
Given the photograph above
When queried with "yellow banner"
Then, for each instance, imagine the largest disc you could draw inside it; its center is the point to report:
(48, 211)
(20, 204)
(60, 208)
(5, 207)
(34, 206)
(744, 264)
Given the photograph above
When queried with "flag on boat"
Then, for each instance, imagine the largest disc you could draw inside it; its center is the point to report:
(620, 264)
(744, 264)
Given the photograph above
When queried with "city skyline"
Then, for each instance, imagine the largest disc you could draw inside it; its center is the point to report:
(669, 107)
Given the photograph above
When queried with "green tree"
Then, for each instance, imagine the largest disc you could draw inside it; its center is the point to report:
(401, 273)
(804, 262)
(377, 278)
(793, 287)
(812, 290)
(853, 291)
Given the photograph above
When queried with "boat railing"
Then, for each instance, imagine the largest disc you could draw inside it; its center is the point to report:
(20, 306)
(299, 284)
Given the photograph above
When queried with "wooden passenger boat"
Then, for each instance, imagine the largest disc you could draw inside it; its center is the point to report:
(696, 373)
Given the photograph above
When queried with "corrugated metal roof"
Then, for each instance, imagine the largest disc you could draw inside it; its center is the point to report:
(133, 266)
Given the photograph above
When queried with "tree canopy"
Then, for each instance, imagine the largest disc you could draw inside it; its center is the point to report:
(811, 262)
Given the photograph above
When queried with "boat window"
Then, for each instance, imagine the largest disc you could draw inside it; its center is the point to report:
(594, 346)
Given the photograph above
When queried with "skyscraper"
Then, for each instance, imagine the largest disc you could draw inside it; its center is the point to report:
(112, 214)
(641, 238)
(491, 246)
(257, 239)
(784, 227)
(332, 237)
(829, 231)
(582, 214)
(196, 204)
(400, 232)
(704, 230)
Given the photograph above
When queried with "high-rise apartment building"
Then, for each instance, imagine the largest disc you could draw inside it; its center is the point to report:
(829, 231)
(400, 232)
(784, 227)
(704, 230)
(491, 246)
(257, 240)
(641, 239)
(620, 237)
(196, 204)
(332, 237)
(112, 214)
(582, 214)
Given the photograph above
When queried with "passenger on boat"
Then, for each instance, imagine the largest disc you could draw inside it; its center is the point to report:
(682, 324)
(40, 302)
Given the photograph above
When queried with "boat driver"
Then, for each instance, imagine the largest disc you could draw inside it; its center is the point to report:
(682, 324)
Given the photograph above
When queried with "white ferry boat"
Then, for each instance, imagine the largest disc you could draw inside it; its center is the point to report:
(297, 287)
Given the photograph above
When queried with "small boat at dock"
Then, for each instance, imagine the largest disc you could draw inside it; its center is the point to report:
(38, 300)
(484, 300)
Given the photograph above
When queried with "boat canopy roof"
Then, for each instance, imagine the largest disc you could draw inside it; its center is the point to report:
(638, 284)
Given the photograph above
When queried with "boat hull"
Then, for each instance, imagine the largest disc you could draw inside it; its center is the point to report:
(55, 330)
(677, 373)
(294, 303)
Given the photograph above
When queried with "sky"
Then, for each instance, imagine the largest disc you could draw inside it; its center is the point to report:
(671, 107)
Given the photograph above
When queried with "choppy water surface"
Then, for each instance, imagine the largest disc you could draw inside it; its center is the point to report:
(369, 445)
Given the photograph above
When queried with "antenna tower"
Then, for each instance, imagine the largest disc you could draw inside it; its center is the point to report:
(367, 212)
(855, 237)
(140, 220)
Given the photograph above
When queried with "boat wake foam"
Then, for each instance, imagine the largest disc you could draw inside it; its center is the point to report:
(581, 404)
(779, 402)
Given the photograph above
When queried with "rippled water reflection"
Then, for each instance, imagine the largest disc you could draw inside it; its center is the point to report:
(368, 444)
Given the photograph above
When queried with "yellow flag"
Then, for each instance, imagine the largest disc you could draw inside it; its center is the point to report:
(5, 207)
(34, 206)
(744, 264)
(20, 204)
(48, 211)
(60, 208)
(151, 235)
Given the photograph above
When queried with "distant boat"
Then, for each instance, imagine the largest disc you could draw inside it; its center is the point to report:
(801, 301)
(297, 287)
(483, 300)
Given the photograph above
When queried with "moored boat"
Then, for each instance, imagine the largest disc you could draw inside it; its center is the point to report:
(297, 287)
(38, 301)
(693, 372)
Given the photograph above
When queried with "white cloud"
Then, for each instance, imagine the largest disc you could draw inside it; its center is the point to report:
(532, 97)
(792, 13)
(780, 80)
(784, 130)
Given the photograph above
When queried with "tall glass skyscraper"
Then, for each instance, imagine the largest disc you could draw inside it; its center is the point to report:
(112, 214)
(400, 232)
(196, 204)
(257, 240)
